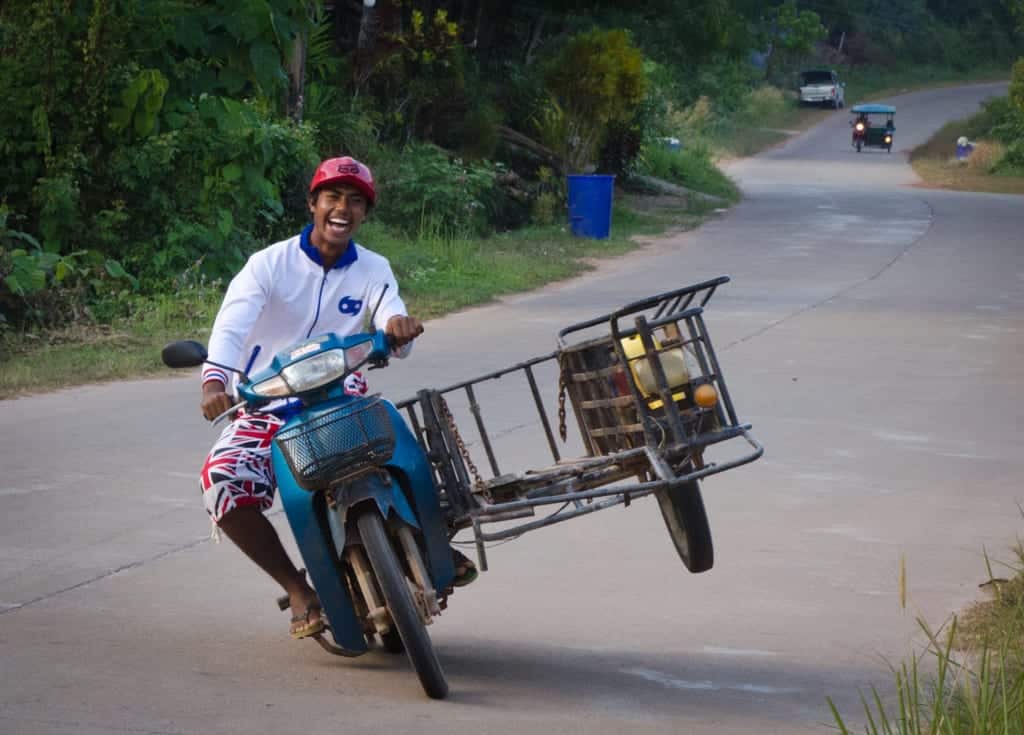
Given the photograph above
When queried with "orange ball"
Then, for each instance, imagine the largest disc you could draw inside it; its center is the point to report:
(705, 396)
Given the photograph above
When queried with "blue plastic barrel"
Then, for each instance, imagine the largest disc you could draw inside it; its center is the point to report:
(590, 205)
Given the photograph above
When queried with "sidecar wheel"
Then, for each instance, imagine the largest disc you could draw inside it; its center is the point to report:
(404, 614)
(687, 522)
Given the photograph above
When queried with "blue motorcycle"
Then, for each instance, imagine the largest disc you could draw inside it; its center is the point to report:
(359, 496)
(373, 498)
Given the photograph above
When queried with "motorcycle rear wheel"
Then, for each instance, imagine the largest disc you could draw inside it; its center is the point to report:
(404, 613)
(392, 642)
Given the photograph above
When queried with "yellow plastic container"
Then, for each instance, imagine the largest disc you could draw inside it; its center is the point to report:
(672, 361)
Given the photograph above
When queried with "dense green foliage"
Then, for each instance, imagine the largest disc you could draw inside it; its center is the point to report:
(141, 137)
(147, 142)
(597, 80)
(1002, 120)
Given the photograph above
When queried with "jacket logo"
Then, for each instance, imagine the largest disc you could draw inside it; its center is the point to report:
(350, 306)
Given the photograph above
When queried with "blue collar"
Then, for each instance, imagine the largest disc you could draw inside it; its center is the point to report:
(347, 258)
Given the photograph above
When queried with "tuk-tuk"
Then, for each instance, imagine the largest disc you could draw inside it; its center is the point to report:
(873, 126)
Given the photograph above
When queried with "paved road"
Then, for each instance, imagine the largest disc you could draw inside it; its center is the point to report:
(872, 334)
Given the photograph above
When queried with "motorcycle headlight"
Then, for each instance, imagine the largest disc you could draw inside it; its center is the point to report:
(315, 371)
(888, 139)
(305, 375)
(860, 127)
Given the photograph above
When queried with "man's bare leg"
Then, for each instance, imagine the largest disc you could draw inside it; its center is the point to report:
(254, 534)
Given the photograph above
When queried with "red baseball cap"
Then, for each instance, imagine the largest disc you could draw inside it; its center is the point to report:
(345, 170)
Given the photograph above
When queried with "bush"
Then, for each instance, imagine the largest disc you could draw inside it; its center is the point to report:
(477, 132)
(620, 149)
(549, 199)
(985, 156)
(1016, 93)
(134, 136)
(1012, 162)
(231, 179)
(691, 167)
(763, 103)
(39, 288)
(998, 119)
(340, 127)
(423, 184)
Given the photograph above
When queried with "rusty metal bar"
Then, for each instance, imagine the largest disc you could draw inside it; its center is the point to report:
(474, 407)
(541, 412)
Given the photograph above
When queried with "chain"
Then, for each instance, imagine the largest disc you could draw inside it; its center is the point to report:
(561, 405)
(478, 481)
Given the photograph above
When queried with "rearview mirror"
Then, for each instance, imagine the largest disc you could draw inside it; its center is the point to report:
(186, 353)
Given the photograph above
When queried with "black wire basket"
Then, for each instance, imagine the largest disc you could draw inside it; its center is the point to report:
(339, 443)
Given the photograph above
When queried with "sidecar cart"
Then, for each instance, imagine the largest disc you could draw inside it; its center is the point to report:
(649, 398)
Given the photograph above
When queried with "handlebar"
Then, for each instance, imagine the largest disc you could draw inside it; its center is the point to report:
(188, 353)
(230, 412)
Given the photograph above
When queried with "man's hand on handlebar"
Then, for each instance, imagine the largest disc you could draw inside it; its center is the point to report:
(215, 400)
(403, 329)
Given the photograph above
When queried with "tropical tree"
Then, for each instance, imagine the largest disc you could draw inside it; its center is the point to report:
(598, 79)
(792, 34)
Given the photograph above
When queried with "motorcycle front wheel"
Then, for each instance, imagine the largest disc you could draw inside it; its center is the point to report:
(404, 613)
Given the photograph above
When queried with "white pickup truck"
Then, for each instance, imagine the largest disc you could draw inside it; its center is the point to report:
(822, 86)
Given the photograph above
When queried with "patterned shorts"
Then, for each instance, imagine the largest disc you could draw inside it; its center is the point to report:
(238, 471)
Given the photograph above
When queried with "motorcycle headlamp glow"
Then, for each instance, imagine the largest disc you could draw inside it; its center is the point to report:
(304, 375)
(275, 387)
(860, 127)
(888, 139)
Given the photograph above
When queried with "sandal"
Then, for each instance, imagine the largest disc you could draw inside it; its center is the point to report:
(465, 570)
(308, 627)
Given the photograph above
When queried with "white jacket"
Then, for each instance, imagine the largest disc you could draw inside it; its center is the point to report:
(283, 295)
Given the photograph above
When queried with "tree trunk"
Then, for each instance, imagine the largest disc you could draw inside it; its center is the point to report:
(464, 13)
(297, 78)
(545, 154)
(535, 34)
(367, 28)
(485, 20)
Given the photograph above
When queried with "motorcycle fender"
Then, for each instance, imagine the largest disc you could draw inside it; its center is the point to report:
(411, 471)
(378, 487)
(304, 511)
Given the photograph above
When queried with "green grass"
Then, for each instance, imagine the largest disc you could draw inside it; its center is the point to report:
(970, 678)
(947, 693)
(42, 360)
(766, 117)
(691, 167)
(1000, 617)
(438, 273)
(935, 162)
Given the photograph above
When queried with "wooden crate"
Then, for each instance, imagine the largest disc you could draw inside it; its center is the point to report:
(595, 381)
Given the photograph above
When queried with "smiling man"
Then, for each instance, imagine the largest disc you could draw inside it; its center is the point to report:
(318, 281)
